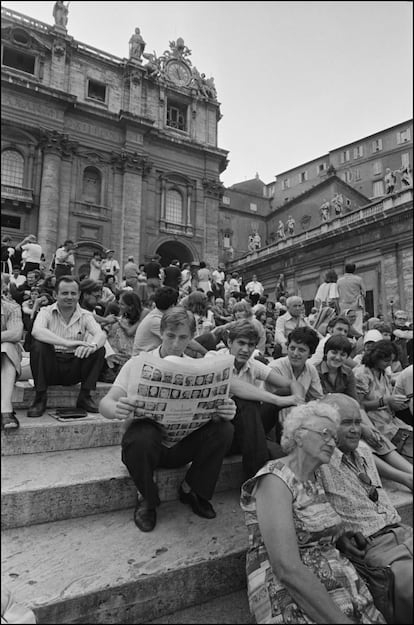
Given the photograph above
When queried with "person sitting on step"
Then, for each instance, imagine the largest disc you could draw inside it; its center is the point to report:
(143, 446)
(67, 348)
(11, 356)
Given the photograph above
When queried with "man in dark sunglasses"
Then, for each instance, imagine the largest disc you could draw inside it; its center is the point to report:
(374, 533)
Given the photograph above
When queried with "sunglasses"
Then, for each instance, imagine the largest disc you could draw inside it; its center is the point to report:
(325, 434)
(372, 490)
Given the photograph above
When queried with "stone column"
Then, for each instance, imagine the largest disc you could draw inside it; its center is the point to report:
(134, 168)
(213, 189)
(49, 198)
(55, 147)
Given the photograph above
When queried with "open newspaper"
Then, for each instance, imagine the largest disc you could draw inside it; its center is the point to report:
(181, 394)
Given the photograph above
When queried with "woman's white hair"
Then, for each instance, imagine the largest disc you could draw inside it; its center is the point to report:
(303, 416)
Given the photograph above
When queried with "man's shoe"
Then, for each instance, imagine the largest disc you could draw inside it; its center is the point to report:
(9, 421)
(145, 519)
(200, 506)
(86, 402)
(39, 405)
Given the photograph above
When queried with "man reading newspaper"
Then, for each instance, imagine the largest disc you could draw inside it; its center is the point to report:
(177, 411)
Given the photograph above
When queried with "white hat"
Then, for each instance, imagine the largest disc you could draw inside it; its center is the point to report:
(372, 336)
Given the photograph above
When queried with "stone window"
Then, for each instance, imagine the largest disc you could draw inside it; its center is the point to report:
(17, 59)
(378, 188)
(12, 168)
(377, 168)
(174, 207)
(253, 207)
(96, 91)
(226, 240)
(403, 136)
(377, 145)
(405, 159)
(176, 115)
(345, 156)
(303, 176)
(91, 186)
(359, 151)
(285, 183)
(226, 199)
(10, 221)
(321, 167)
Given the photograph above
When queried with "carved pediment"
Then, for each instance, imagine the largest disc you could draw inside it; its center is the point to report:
(21, 38)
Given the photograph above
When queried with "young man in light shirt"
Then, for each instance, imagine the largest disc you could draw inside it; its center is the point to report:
(252, 400)
(143, 446)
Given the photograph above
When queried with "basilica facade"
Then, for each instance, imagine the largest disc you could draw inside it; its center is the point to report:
(109, 152)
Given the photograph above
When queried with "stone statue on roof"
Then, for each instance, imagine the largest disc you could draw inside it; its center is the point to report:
(136, 45)
(60, 13)
(178, 50)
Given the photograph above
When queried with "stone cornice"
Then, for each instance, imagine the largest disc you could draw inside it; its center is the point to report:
(213, 188)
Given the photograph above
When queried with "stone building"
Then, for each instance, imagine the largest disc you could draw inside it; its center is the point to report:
(107, 151)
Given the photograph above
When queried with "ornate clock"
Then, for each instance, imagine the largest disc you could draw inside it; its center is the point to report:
(178, 72)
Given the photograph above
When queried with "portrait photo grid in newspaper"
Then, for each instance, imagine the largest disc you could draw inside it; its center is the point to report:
(179, 395)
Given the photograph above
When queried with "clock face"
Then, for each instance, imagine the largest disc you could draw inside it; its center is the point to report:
(178, 73)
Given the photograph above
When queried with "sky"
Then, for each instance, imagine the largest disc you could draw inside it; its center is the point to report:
(294, 79)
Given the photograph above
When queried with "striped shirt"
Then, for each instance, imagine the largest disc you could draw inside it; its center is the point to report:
(348, 495)
(81, 326)
(11, 316)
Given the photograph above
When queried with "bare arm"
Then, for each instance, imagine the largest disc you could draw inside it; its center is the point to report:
(274, 513)
(284, 382)
(245, 390)
(388, 472)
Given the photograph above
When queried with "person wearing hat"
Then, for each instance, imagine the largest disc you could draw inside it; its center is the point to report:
(374, 534)
(370, 337)
(67, 348)
(110, 266)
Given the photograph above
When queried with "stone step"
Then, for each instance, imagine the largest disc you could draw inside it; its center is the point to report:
(57, 396)
(231, 608)
(42, 487)
(102, 569)
(45, 433)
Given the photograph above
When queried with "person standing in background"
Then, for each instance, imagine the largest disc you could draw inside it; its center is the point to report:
(31, 253)
(351, 290)
(64, 259)
(95, 271)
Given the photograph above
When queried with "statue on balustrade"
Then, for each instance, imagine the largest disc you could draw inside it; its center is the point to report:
(390, 180)
(325, 210)
(60, 13)
(281, 230)
(290, 224)
(406, 177)
(136, 45)
(338, 202)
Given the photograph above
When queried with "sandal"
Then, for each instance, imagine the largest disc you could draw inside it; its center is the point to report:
(9, 421)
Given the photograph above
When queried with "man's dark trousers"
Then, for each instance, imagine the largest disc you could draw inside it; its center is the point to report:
(205, 448)
(50, 368)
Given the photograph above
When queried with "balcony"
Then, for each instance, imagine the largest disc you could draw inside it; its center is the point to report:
(91, 211)
(178, 229)
(372, 212)
(17, 196)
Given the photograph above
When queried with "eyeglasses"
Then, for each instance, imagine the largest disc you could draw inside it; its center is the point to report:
(372, 491)
(326, 434)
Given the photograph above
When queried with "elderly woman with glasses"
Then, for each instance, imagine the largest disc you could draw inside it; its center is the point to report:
(295, 573)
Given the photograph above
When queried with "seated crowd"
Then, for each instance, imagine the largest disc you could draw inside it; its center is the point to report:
(304, 391)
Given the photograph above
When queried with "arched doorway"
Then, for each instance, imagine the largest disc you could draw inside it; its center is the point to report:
(171, 250)
(83, 254)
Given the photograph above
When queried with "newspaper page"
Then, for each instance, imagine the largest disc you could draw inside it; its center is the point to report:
(181, 394)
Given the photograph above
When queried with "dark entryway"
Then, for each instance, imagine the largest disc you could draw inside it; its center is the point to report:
(171, 250)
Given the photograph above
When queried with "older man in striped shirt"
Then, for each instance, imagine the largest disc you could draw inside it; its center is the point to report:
(67, 348)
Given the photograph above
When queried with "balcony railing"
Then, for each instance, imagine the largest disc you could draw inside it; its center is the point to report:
(16, 193)
(172, 228)
(94, 211)
(371, 211)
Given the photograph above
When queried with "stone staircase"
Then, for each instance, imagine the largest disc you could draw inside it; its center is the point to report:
(70, 548)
